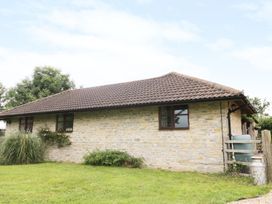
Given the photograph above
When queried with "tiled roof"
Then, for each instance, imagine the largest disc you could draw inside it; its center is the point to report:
(170, 88)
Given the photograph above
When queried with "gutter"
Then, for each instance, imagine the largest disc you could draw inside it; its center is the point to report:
(6, 115)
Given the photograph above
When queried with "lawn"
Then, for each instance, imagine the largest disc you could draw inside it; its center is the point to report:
(73, 183)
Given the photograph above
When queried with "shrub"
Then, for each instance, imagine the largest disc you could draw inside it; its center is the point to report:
(265, 123)
(21, 148)
(236, 169)
(112, 158)
(52, 138)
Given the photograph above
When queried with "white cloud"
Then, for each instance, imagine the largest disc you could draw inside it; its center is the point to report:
(249, 6)
(110, 23)
(257, 10)
(144, 1)
(96, 44)
(6, 12)
(259, 57)
(221, 44)
(90, 68)
(88, 4)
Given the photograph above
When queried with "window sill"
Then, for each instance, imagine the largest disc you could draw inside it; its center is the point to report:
(64, 131)
(163, 129)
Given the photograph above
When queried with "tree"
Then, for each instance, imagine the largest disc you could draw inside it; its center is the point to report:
(45, 81)
(261, 105)
(264, 120)
(20, 94)
(265, 123)
(2, 97)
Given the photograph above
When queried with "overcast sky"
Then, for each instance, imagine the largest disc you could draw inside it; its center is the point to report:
(99, 42)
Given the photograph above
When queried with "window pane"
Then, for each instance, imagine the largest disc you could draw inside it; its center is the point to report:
(165, 117)
(29, 120)
(69, 124)
(22, 120)
(65, 123)
(60, 126)
(29, 129)
(60, 118)
(184, 110)
(181, 121)
(22, 124)
(29, 124)
(26, 124)
(69, 117)
(21, 128)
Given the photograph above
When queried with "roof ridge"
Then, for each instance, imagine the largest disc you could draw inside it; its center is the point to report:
(210, 83)
(125, 82)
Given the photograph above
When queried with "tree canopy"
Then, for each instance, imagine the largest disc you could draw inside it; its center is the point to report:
(2, 95)
(261, 105)
(265, 123)
(45, 81)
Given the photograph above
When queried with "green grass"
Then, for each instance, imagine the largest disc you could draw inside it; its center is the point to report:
(73, 183)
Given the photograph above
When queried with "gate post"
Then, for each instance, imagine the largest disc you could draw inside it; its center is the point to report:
(267, 151)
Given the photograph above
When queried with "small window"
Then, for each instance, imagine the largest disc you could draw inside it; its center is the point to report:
(174, 117)
(26, 124)
(65, 122)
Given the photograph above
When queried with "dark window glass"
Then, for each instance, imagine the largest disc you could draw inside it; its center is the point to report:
(26, 124)
(22, 124)
(65, 122)
(174, 117)
(166, 117)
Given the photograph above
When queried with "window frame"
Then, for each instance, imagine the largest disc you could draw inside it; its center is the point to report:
(64, 115)
(172, 109)
(26, 124)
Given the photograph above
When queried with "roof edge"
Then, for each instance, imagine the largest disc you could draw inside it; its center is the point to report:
(248, 103)
(238, 97)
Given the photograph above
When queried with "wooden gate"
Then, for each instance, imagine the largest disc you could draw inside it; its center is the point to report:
(230, 151)
(266, 149)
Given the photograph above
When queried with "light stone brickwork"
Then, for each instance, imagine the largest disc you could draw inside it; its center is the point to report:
(236, 125)
(136, 130)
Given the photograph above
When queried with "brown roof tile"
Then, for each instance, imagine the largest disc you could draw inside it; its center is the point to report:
(170, 88)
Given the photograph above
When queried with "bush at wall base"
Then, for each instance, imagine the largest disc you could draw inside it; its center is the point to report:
(112, 158)
(20, 148)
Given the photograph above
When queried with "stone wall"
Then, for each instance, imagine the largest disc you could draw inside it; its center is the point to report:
(136, 130)
(236, 124)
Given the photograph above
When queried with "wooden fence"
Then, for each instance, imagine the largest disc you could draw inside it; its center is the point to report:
(267, 151)
(230, 151)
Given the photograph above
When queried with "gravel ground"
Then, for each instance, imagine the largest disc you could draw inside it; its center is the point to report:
(266, 199)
